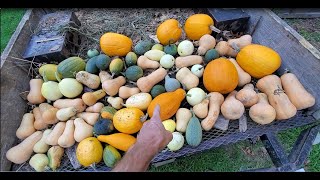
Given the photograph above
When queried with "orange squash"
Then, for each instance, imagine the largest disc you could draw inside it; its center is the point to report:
(169, 103)
(169, 32)
(114, 44)
(120, 141)
(258, 60)
(220, 76)
(128, 120)
(198, 25)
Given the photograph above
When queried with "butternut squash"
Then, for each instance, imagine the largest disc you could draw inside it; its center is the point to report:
(115, 102)
(232, 108)
(272, 87)
(26, 126)
(23, 151)
(240, 42)
(185, 61)
(146, 63)
(244, 77)
(187, 78)
(90, 80)
(66, 113)
(262, 112)
(111, 86)
(57, 131)
(67, 139)
(183, 115)
(64, 103)
(297, 94)
(96, 108)
(35, 96)
(104, 75)
(224, 49)
(215, 101)
(39, 123)
(145, 84)
(201, 109)
(206, 42)
(90, 98)
(90, 118)
(82, 130)
(41, 146)
(48, 113)
(247, 96)
(125, 92)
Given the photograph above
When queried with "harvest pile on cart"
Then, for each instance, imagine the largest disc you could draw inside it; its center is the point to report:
(101, 100)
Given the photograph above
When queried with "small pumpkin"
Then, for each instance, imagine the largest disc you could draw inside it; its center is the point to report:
(169, 32)
(258, 60)
(198, 25)
(220, 76)
(114, 44)
(128, 120)
(169, 103)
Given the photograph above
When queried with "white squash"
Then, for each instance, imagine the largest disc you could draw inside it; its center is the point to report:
(197, 70)
(154, 54)
(140, 101)
(167, 61)
(177, 142)
(70, 87)
(185, 48)
(195, 96)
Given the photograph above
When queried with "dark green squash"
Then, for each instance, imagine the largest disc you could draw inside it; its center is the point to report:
(91, 66)
(131, 59)
(69, 67)
(111, 156)
(157, 90)
(133, 73)
(142, 47)
(194, 131)
(211, 55)
(170, 49)
(103, 61)
(103, 127)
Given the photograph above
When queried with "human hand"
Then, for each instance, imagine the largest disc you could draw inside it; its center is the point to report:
(153, 134)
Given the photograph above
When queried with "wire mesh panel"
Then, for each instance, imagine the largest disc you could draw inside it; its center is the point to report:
(211, 139)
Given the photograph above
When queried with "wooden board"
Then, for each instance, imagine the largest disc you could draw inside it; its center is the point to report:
(299, 12)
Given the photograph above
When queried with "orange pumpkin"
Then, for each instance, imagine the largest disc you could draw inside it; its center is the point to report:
(114, 44)
(169, 32)
(128, 120)
(221, 76)
(258, 60)
(169, 103)
(198, 25)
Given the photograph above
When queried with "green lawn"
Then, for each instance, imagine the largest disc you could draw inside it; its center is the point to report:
(10, 19)
(236, 157)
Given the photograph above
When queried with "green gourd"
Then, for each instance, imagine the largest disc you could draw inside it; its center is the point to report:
(131, 59)
(171, 84)
(133, 73)
(103, 127)
(142, 47)
(211, 55)
(91, 66)
(92, 52)
(111, 156)
(170, 49)
(157, 90)
(102, 61)
(194, 131)
(116, 66)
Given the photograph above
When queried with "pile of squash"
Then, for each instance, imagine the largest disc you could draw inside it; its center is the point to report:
(111, 94)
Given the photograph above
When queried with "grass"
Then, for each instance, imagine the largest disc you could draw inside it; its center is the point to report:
(10, 19)
(235, 157)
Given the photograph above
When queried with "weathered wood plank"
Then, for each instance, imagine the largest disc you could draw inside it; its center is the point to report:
(297, 54)
(14, 80)
(299, 12)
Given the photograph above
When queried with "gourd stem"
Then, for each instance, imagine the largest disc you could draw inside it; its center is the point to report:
(123, 104)
(208, 96)
(57, 77)
(235, 47)
(215, 29)
(45, 76)
(189, 95)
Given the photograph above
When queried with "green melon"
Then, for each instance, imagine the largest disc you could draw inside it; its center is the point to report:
(131, 59)
(133, 73)
(69, 67)
(102, 61)
(142, 47)
(211, 55)
(170, 49)
(156, 90)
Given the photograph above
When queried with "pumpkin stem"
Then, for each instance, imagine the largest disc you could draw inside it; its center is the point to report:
(171, 41)
(235, 47)
(57, 77)
(144, 117)
(215, 29)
